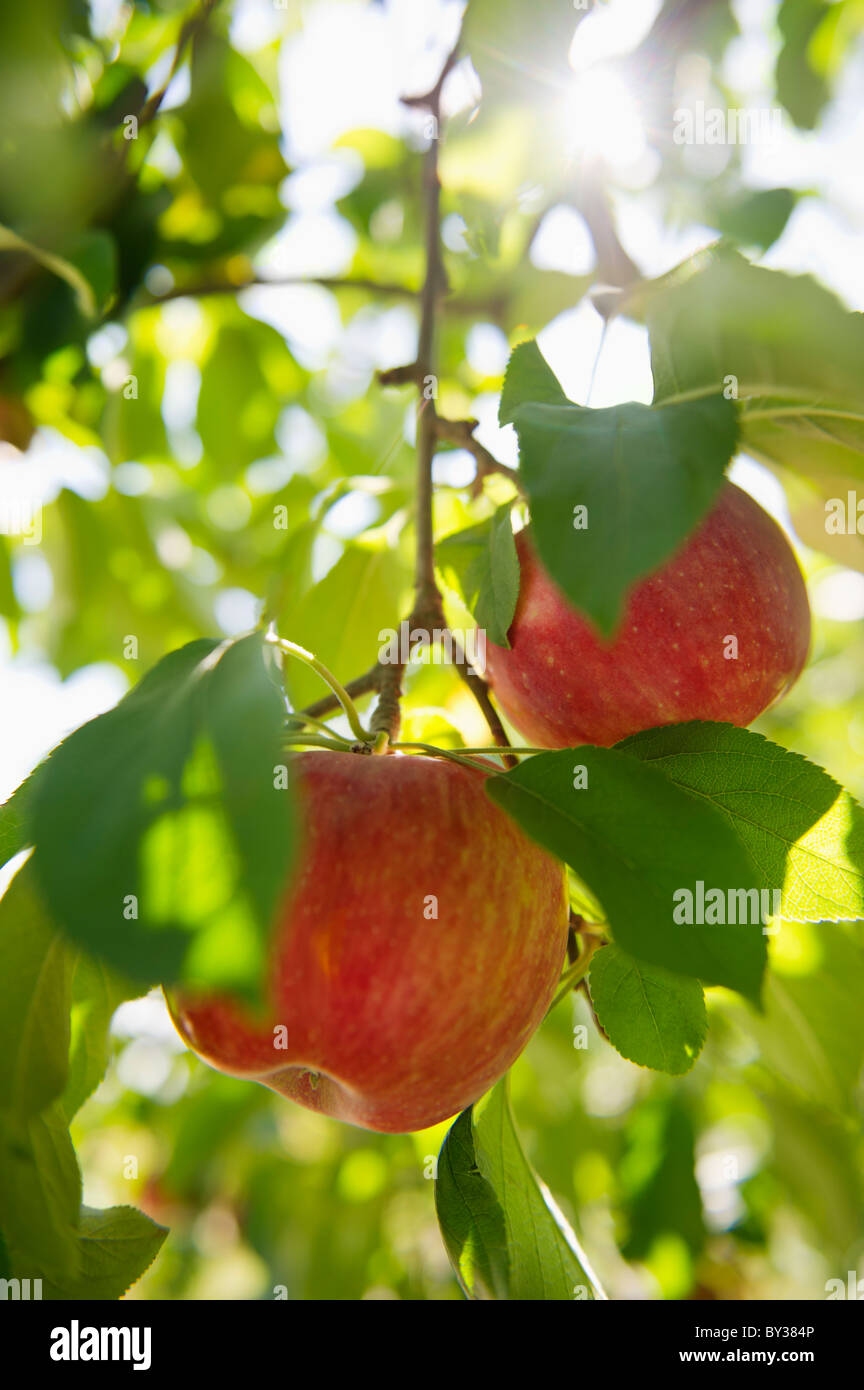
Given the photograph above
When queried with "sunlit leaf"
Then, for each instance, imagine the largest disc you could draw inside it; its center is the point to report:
(788, 350)
(804, 833)
(504, 1234)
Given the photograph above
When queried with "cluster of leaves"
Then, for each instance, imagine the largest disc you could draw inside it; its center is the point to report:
(56, 1007)
(158, 802)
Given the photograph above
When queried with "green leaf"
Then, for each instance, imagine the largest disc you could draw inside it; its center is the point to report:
(9, 605)
(14, 821)
(222, 114)
(206, 1124)
(652, 1017)
(132, 425)
(504, 1234)
(55, 1007)
(818, 1161)
(40, 1185)
(88, 270)
(34, 1001)
(482, 226)
(96, 795)
(757, 218)
(96, 993)
(801, 87)
(77, 1252)
(801, 829)
(342, 618)
(645, 477)
(528, 378)
(116, 1246)
(470, 1216)
(94, 255)
(658, 1180)
(513, 46)
(238, 405)
(161, 836)
(640, 843)
(40, 1193)
(795, 352)
(811, 1033)
(482, 565)
(537, 296)
(244, 717)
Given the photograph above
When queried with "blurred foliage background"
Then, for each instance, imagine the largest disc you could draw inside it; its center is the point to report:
(210, 241)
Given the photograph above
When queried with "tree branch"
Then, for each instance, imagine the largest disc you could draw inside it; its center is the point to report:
(206, 288)
(431, 101)
(427, 613)
(616, 271)
(433, 288)
(480, 690)
(461, 433)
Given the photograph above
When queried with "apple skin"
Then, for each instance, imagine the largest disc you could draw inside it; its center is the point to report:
(395, 1021)
(561, 685)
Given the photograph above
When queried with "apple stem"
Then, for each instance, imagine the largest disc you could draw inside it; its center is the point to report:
(451, 753)
(338, 745)
(576, 972)
(292, 649)
(298, 720)
(498, 752)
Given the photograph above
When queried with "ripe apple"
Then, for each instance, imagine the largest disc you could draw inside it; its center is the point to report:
(417, 949)
(721, 631)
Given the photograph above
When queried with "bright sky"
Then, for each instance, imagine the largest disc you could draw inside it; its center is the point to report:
(346, 69)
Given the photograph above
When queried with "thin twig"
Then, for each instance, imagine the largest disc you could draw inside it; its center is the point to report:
(434, 286)
(480, 690)
(188, 31)
(206, 288)
(492, 308)
(431, 101)
(427, 612)
(461, 433)
(427, 594)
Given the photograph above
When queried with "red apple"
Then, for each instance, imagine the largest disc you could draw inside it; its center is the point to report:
(417, 949)
(721, 631)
